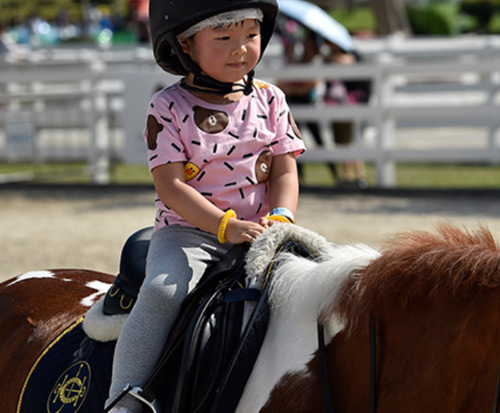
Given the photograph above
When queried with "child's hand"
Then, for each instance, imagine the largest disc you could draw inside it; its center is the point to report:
(264, 222)
(239, 231)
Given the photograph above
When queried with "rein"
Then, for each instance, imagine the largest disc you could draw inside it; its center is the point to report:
(323, 368)
(373, 364)
(496, 402)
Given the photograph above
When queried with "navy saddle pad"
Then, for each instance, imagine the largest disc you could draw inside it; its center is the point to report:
(71, 375)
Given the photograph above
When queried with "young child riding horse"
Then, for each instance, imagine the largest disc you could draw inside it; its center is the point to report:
(222, 149)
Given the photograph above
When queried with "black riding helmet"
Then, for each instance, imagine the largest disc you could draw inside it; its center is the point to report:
(168, 18)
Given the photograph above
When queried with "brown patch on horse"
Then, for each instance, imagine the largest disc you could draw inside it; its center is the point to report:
(452, 263)
(436, 299)
(33, 312)
(296, 393)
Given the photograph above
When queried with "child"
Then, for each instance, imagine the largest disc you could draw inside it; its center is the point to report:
(222, 151)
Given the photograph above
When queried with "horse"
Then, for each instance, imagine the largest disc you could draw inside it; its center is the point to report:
(414, 327)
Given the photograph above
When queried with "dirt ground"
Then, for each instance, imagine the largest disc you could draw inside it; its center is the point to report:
(44, 228)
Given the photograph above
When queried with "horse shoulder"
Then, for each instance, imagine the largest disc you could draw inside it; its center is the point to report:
(34, 308)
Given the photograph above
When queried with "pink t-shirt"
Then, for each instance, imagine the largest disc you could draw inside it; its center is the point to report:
(226, 149)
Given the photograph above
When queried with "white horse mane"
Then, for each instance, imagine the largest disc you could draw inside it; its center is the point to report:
(301, 291)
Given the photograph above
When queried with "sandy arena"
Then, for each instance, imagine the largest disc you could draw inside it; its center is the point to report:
(46, 228)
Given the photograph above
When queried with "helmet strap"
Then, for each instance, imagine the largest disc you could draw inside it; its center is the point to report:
(208, 84)
(213, 86)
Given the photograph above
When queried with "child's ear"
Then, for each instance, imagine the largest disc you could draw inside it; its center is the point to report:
(186, 45)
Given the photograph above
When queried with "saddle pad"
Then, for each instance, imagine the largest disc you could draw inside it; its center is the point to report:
(71, 375)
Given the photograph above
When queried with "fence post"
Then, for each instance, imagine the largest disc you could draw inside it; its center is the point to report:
(99, 135)
(493, 78)
(385, 167)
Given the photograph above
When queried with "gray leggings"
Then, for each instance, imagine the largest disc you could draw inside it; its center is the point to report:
(177, 258)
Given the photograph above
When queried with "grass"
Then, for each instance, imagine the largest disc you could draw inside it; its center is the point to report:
(420, 176)
(355, 20)
(407, 175)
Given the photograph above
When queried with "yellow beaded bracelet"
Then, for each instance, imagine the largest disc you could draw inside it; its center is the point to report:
(221, 234)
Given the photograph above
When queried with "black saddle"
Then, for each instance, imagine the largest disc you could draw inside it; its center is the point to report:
(210, 352)
(121, 297)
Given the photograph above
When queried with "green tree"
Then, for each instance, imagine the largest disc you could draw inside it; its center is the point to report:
(390, 15)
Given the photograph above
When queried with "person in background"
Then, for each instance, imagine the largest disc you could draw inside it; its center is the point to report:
(300, 46)
(346, 93)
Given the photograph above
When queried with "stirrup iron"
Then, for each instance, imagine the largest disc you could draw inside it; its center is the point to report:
(153, 405)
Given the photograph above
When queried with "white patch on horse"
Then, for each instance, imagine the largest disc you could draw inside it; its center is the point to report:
(95, 285)
(301, 291)
(32, 275)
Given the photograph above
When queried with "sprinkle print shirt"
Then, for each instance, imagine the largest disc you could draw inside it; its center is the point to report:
(227, 150)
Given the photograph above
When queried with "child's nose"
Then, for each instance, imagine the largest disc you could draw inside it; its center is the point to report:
(240, 49)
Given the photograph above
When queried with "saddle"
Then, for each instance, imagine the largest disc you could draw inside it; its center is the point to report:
(121, 297)
(214, 343)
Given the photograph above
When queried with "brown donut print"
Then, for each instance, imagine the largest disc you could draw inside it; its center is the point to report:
(210, 121)
(263, 166)
(153, 129)
(295, 128)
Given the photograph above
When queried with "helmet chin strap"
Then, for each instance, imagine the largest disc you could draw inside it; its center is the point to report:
(213, 86)
(208, 84)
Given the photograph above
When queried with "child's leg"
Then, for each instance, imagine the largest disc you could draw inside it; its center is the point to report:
(177, 258)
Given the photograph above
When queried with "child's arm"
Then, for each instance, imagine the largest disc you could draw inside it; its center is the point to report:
(284, 183)
(186, 201)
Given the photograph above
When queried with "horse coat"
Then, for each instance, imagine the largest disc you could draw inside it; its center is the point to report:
(300, 292)
(435, 299)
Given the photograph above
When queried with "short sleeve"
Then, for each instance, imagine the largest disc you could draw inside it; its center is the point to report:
(161, 134)
(288, 136)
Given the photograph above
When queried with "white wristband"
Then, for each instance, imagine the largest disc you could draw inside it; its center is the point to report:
(282, 211)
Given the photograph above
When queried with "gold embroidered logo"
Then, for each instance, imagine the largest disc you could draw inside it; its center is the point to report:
(70, 390)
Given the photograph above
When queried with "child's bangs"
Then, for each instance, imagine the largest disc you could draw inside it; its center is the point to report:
(221, 20)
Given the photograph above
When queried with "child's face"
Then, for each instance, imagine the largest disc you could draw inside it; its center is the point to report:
(226, 53)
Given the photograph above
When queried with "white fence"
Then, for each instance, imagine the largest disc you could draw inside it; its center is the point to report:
(434, 101)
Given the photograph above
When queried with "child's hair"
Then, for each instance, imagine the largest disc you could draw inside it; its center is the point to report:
(220, 20)
(169, 19)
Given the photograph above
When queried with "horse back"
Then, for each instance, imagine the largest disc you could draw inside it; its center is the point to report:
(34, 308)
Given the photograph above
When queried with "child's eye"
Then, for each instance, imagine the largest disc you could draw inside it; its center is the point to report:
(253, 35)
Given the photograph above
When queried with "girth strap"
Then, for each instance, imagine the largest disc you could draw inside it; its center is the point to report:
(242, 294)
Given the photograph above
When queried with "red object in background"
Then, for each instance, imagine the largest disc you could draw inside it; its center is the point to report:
(140, 9)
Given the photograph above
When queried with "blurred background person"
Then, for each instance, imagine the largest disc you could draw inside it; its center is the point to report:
(300, 46)
(340, 92)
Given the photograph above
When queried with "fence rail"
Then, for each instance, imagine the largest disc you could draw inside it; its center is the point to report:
(91, 105)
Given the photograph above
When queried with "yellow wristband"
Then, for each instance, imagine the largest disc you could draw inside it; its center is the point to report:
(221, 234)
(280, 218)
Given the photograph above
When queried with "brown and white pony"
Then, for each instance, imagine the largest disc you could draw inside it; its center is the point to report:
(435, 299)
